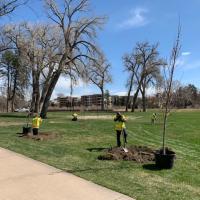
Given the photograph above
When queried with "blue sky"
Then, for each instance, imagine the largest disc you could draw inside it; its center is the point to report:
(131, 21)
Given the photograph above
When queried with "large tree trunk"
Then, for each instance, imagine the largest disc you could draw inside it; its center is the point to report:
(102, 99)
(52, 85)
(8, 89)
(135, 100)
(14, 91)
(136, 93)
(43, 95)
(144, 100)
(37, 102)
(129, 93)
(36, 92)
(53, 82)
(45, 88)
(143, 92)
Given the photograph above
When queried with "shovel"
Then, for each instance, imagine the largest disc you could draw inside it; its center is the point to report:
(124, 147)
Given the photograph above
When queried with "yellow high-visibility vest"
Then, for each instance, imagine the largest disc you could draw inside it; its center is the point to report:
(36, 122)
(120, 125)
(75, 115)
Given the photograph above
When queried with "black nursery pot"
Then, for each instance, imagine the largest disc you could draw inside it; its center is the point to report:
(165, 161)
(26, 130)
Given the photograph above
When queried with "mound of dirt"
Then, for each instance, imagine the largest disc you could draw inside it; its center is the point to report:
(140, 154)
(41, 136)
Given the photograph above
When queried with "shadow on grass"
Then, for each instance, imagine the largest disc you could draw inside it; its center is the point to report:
(13, 116)
(151, 167)
(97, 149)
(96, 169)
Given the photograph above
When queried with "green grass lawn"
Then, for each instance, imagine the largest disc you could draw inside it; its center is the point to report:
(69, 152)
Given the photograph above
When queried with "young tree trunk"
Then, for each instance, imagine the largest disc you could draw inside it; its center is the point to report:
(129, 92)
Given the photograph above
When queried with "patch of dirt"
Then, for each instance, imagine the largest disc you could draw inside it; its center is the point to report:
(41, 136)
(139, 154)
(56, 122)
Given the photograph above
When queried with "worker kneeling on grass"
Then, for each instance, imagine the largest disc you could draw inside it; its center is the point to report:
(74, 117)
(36, 122)
(153, 118)
(120, 127)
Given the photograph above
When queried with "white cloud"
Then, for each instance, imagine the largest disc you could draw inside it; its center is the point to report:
(137, 19)
(151, 91)
(186, 53)
(121, 93)
(180, 62)
(193, 65)
(184, 63)
(63, 86)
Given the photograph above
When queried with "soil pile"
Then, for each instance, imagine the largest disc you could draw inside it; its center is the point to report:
(41, 136)
(140, 154)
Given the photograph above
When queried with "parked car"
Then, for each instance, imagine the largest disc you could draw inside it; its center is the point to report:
(22, 110)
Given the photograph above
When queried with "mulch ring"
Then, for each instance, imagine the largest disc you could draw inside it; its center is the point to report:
(41, 136)
(139, 154)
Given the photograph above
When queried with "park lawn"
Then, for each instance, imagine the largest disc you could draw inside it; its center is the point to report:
(69, 152)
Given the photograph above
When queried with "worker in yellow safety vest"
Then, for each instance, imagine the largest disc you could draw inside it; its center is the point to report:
(153, 118)
(75, 117)
(36, 122)
(120, 127)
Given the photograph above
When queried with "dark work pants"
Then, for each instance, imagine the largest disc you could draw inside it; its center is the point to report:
(125, 135)
(118, 138)
(35, 131)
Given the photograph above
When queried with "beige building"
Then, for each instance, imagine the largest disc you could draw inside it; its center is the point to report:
(68, 101)
(91, 100)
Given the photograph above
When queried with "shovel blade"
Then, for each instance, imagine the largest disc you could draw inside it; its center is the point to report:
(125, 150)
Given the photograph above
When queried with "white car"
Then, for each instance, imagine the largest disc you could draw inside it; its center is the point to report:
(22, 110)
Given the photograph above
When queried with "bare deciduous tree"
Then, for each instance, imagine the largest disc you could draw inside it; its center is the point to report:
(98, 74)
(169, 75)
(8, 6)
(131, 66)
(146, 68)
(78, 33)
(15, 77)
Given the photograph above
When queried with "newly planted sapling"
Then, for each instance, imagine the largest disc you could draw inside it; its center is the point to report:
(165, 157)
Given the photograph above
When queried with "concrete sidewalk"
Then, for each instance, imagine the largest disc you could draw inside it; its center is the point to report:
(22, 178)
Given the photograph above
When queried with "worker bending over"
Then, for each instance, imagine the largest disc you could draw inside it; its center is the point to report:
(120, 127)
(36, 122)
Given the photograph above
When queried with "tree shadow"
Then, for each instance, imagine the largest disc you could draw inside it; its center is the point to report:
(13, 116)
(151, 167)
(96, 169)
(97, 149)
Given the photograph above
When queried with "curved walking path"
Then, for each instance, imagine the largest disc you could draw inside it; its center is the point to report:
(22, 178)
